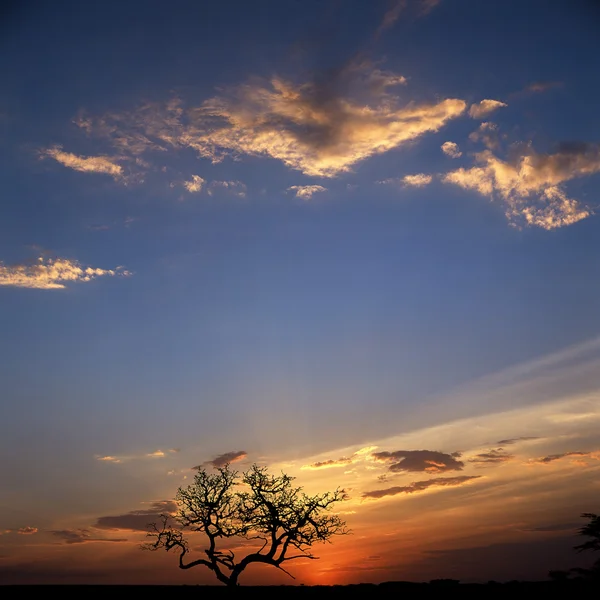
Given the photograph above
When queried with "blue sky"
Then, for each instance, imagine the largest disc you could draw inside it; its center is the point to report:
(291, 228)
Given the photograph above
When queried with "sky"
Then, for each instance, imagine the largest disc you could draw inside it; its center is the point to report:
(356, 242)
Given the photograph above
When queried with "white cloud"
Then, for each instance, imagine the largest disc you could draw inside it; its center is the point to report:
(194, 185)
(451, 149)
(47, 274)
(530, 183)
(484, 108)
(417, 180)
(85, 164)
(306, 191)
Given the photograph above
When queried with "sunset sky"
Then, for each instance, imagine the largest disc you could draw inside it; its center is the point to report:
(355, 241)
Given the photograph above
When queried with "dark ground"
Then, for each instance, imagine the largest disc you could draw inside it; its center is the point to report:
(571, 589)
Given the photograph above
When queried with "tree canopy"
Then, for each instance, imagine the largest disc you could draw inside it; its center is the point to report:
(281, 519)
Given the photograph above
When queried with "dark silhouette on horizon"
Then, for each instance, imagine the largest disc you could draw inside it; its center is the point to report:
(266, 509)
(591, 530)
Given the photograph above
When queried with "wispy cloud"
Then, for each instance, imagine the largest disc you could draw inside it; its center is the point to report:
(530, 183)
(542, 86)
(53, 274)
(123, 458)
(226, 458)
(426, 461)
(417, 180)
(194, 185)
(420, 486)
(487, 134)
(320, 127)
(554, 457)
(451, 149)
(510, 441)
(484, 108)
(137, 520)
(85, 164)
(80, 536)
(306, 191)
(493, 456)
(235, 188)
(327, 464)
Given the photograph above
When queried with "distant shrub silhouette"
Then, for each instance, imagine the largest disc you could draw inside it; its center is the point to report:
(254, 506)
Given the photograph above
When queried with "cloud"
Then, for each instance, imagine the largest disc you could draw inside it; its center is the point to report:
(426, 461)
(420, 486)
(123, 458)
(542, 86)
(487, 134)
(326, 464)
(80, 536)
(306, 191)
(137, 520)
(27, 530)
(552, 457)
(194, 185)
(418, 180)
(391, 16)
(52, 274)
(451, 149)
(484, 108)
(226, 458)
(426, 6)
(495, 455)
(113, 459)
(509, 441)
(314, 128)
(85, 164)
(529, 183)
(237, 188)
(321, 127)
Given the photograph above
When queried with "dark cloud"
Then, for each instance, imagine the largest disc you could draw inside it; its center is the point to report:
(137, 520)
(80, 536)
(227, 458)
(495, 455)
(552, 457)
(420, 486)
(510, 441)
(420, 461)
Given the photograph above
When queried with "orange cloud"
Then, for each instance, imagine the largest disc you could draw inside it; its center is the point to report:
(319, 128)
(85, 164)
(530, 183)
(27, 530)
(484, 108)
(194, 185)
(52, 274)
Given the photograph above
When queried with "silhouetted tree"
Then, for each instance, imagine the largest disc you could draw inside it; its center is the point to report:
(591, 530)
(253, 506)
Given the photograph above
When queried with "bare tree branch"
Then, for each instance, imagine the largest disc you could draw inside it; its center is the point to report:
(252, 506)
